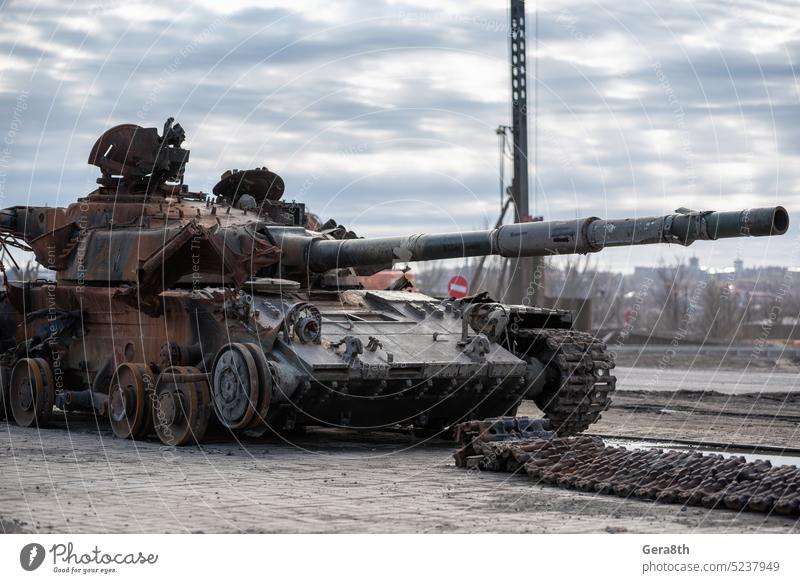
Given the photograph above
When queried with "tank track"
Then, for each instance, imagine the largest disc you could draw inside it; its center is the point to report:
(579, 384)
(585, 463)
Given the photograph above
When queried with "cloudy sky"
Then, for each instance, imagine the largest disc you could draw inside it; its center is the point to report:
(382, 113)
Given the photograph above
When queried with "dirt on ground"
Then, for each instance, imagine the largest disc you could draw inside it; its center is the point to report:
(78, 478)
(764, 419)
(733, 360)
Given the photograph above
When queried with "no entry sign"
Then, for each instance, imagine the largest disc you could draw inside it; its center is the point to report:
(458, 286)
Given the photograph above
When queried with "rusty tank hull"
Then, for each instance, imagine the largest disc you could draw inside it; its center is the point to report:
(380, 359)
(170, 311)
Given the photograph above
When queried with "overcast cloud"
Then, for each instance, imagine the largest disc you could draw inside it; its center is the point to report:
(381, 114)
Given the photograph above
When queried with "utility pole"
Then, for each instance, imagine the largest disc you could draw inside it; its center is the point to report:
(527, 280)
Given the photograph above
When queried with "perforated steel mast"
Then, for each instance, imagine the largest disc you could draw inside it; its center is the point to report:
(519, 111)
(525, 286)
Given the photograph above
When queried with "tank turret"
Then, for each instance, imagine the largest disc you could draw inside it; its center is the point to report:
(172, 311)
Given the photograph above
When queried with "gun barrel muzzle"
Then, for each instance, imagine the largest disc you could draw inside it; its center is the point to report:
(758, 222)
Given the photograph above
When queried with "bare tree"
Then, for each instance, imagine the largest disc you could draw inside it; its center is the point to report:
(571, 277)
(671, 292)
(722, 313)
(608, 300)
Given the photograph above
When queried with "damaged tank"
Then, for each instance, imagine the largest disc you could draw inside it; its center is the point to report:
(171, 311)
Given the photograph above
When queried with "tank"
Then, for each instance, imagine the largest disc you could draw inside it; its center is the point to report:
(169, 312)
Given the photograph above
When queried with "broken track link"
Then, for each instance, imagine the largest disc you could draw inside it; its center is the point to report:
(582, 383)
(507, 430)
(587, 464)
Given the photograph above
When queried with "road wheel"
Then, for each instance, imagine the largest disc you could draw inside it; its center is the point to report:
(235, 386)
(258, 426)
(182, 406)
(5, 380)
(31, 392)
(129, 401)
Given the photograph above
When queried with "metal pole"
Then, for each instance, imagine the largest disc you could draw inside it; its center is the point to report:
(523, 288)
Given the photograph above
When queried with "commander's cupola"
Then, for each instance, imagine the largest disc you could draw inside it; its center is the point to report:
(136, 161)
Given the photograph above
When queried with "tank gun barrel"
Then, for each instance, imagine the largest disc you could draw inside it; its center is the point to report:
(587, 235)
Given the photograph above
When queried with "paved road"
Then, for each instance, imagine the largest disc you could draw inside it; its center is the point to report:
(85, 480)
(722, 381)
(79, 478)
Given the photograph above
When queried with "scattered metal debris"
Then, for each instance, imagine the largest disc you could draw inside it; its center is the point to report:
(587, 464)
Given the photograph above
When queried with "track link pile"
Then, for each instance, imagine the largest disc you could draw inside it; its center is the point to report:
(584, 383)
(587, 464)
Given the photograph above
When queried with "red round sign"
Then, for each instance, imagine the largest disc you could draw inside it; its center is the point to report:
(458, 287)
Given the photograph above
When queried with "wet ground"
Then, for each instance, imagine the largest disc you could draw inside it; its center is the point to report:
(82, 479)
